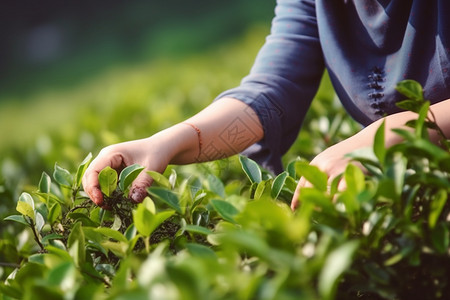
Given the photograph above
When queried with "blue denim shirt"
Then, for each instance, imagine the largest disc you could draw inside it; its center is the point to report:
(367, 46)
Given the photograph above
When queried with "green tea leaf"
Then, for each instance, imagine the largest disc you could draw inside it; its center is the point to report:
(76, 244)
(278, 184)
(290, 169)
(197, 229)
(379, 147)
(410, 105)
(144, 217)
(49, 198)
(17, 218)
(420, 128)
(130, 233)
(166, 196)
(128, 175)
(83, 218)
(437, 204)
(263, 189)
(312, 174)
(39, 221)
(397, 257)
(53, 213)
(52, 236)
(215, 185)
(146, 221)
(354, 177)
(225, 209)
(44, 183)
(107, 179)
(112, 234)
(336, 263)
(251, 169)
(160, 179)
(82, 168)
(317, 198)
(25, 205)
(200, 251)
(63, 276)
(411, 89)
(395, 170)
(62, 176)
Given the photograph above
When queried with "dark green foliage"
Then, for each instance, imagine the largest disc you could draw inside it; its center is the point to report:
(200, 235)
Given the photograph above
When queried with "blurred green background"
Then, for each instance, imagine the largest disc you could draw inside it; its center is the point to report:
(60, 56)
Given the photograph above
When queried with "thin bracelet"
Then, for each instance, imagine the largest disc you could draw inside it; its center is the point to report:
(199, 135)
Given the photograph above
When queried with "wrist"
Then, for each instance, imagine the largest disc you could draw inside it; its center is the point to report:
(178, 143)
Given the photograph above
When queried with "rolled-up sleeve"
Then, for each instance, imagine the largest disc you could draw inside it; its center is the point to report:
(283, 80)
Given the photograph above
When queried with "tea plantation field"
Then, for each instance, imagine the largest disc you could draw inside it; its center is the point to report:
(218, 230)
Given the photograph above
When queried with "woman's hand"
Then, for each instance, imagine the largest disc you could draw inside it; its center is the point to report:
(144, 152)
(177, 144)
(331, 161)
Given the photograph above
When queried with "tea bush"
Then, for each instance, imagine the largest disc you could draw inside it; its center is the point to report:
(224, 230)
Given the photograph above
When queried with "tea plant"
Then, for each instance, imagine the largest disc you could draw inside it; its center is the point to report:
(386, 236)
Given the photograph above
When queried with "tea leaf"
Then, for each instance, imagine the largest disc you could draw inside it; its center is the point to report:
(62, 176)
(107, 179)
(354, 177)
(278, 184)
(82, 168)
(146, 221)
(420, 129)
(437, 204)
(113, 234)
(25, 205)
(63, 276)
(200, 251)
(263, 189)
(160, 179)
(44, 183)
(312, 174)
(142, 219)
(130, 233)
(396, 171)
(52, 236)
(39, 221)
(411, 89)
(128, 175)
(216, 185)
(76, 244)
(166, 196)
(336, 263)
(251, 169)
(225, 209)
(379, 147)
(410, 105)
(197, 229)
(17, 218)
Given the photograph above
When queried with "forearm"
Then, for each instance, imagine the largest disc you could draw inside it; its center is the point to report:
(439, 111)
(224, 128)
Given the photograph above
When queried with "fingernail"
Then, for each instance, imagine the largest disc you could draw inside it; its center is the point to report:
(138, 194)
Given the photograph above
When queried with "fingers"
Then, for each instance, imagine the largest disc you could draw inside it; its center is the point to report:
(139, 187)
(90, 179)
(342, 185)
(92, 188)
(295, 201)
(118, 157)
